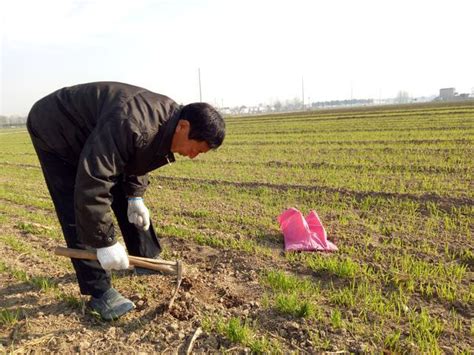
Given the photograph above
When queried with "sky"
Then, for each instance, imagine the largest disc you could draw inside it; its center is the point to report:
(248, 51)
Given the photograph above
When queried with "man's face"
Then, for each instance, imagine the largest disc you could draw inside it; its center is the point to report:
(184, 146)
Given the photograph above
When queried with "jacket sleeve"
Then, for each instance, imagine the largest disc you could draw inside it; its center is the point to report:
(102, 160)
(135, 186)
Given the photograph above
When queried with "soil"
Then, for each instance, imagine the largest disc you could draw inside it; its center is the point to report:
(217, 282)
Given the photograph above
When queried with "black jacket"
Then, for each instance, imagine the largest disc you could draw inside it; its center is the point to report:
(112, 132)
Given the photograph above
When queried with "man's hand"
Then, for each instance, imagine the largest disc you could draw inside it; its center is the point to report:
(113, 257)
(137, 213)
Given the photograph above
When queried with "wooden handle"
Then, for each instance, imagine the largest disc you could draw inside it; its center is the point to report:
(76, 253)
(168, 267)
(154, 261)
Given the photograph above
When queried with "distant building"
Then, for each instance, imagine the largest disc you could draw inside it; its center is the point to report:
(447, 94)
(450, 94)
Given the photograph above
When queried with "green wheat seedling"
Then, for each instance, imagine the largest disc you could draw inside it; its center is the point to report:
(345, 268)
(31, 228)
(344, 296)
(235, 330)
(71, 300)
(9, 317)
(294, 305)
(336, 319)
(43, 283)
(392, 341)
(16, 244)
(241, 332)
(425, 330)
(19, 274)
(456, 321)
(280, 281)
(44, 224)
(441, 280)
(292, 295)
(22, 247)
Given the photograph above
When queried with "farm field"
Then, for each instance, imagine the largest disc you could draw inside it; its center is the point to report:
(393, 186)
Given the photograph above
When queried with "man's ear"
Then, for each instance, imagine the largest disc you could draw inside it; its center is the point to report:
(182, 125)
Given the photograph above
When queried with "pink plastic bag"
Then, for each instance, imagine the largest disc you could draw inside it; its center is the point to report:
(304, 234)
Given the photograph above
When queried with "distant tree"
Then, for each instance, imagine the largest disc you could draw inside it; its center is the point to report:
(402, 97)
(243, 109)
(297, 103)
(277, 105)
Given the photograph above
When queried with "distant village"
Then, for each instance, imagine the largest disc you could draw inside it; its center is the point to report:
(445, 95)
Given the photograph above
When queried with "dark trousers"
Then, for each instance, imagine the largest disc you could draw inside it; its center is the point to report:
(60, 178)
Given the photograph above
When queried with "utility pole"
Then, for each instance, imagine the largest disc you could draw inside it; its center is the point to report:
(351, 93)
(200, 92)
(302, 90)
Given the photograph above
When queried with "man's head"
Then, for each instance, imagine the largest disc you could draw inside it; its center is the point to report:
(200, 128)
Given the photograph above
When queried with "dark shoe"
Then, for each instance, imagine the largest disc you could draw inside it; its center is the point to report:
(111, 305)
(142, 271)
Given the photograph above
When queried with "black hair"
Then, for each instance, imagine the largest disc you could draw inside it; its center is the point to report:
(206, 123)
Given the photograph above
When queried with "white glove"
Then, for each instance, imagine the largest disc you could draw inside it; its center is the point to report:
(137, 213)
(113, 257)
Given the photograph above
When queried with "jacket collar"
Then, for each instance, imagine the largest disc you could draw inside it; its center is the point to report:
(168, 128)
